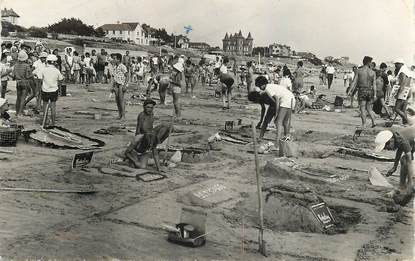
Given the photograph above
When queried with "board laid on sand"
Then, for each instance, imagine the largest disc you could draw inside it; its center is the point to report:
(58, 137)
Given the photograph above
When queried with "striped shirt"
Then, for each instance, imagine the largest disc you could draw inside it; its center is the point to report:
(22, 71)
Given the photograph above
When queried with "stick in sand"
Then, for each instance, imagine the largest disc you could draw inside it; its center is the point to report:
(261, 241)
(167, 141)
(48, 190)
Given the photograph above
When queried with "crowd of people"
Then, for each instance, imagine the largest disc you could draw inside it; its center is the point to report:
(40, 72)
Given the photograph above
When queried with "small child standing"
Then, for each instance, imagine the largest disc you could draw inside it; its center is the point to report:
(88, 69)
(51, 77)
(76, 66)
(5, 70)
(82, 71)
(119, 86)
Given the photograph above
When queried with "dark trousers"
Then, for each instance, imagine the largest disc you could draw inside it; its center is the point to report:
(329, 79)
(3, 89)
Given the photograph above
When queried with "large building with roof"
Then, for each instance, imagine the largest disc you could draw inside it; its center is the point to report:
(130, 32)
(9, 15)
(238, 44)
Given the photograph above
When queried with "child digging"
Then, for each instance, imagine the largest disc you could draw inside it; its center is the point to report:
(146, 138)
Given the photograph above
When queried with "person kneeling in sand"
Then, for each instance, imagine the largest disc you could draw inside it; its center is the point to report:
(403, 141)
(146, 138)
(4, 116)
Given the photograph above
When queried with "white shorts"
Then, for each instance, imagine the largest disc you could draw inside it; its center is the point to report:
(287, 101)
(177, 89)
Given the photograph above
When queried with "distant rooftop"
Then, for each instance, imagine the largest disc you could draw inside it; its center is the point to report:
(8, 13)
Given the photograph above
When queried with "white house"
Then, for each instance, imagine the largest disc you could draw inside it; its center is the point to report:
(127, 32)
(9, 15)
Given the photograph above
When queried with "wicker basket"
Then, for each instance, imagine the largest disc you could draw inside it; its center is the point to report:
(9, 136)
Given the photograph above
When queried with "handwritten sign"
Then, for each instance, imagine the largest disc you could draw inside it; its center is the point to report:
(81, 160)
(209, 191)
(357, 133)
(323, 214)
(229, 126)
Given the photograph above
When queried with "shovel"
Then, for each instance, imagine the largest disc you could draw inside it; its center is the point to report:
(390, 123)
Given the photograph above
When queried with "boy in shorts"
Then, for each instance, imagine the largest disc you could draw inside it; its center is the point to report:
(119, 86)
(403, 141)
(50, 82)
(146, 138)
(175, 87)
(284, 102)
(365, 82)
(227, 82)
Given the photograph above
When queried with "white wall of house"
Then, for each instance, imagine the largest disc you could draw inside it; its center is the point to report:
(140, 37)
(122, 35)
(10, 19)
(137, 36)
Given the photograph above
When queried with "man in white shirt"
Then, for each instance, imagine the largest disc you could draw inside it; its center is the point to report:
(284, 102)
(404, 78)
(330, 74)
(50, 85)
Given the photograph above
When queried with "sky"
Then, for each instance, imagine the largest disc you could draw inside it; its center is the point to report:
(383, 29)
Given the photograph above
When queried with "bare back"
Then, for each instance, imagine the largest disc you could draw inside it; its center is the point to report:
(365, 77)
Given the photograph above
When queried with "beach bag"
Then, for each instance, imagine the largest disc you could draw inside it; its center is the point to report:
(287, 148)
(338, 101)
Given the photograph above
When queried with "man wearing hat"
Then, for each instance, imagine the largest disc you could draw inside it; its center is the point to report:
(175, 87)
(22, 74)
(404, 76)
(146, 138)
(51, 77)
(39, 66)
(403, 142)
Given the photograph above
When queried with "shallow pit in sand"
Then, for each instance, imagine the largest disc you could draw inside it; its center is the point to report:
(286, 211)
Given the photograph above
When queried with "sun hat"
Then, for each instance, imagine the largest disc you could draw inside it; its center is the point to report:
(149, 101)
(51, 57)
(399, 60)
(43, 55)
(22, 56)
(2, 102)
(381, 139)
(178, 67)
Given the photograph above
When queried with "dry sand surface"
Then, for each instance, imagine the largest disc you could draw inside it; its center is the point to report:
(123, 219)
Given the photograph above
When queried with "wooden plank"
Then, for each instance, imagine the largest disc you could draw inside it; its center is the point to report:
(48, 190)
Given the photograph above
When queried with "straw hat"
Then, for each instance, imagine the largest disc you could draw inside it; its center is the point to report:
(381, 139)
(51, 57)
(178, 67)
(43, 55)
(3, 102)
(399, 60)
(22, 56)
